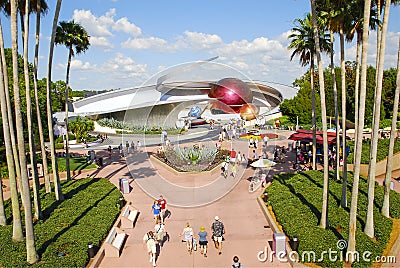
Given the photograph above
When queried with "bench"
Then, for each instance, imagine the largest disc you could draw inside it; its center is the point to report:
(113, 243)
(129, 217)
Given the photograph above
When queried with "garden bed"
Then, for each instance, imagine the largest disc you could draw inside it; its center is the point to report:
(62, 236)
(296, 200)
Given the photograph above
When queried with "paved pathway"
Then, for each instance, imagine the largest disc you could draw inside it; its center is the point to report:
(246, 234)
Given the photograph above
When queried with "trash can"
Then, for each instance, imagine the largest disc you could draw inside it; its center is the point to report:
(279, 244)
(121, 202)
(295, 243)
(90, 250)
(265, 197)
(124, 185)
(100, 161)
(290, 146)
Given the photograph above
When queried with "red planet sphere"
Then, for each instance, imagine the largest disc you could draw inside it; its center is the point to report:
(248, 111)
(231, 91)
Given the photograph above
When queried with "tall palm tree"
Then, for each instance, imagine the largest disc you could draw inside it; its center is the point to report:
(32, 256)
(389, 164)
(39, 120)
(9, 138)
(369, 223)
(361, 113)
(56, 178)
(324, 213)
(75, 38)
(3, 219)
(303, 43)
(31, 139)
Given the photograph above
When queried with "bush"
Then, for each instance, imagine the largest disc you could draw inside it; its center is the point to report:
(382, 153)
(296, 200)
(62, 236)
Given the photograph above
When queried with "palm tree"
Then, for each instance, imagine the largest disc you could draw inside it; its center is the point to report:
(389, 165)
(75, 38)
(39, 120)
(56, 178)
(3, 219)
(358, 149)
(9, 138)
(32, 256)
(303, 44)
(369, 223)
(32, 149)
(324, 212)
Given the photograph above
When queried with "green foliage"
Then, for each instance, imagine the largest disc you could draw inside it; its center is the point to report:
(382, 153)
(128, 128)
(296, 200)
(81, 127)
(301, 105)
(62, 237)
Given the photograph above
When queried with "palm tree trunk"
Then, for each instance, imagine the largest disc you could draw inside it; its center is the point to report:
(324, 213)
(6, 110)
(32, 256)
(39, 119)
(3, 219)
(66, 115)
(393, 134)
(343, 202)
(335, 97)
(32, 149)
(356, 177)
(369, 223)
(56, 178)
(10, 114)
(314, 120)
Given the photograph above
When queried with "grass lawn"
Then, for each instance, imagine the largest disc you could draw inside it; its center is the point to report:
(76, 164)
(86, 215)
(296, 200)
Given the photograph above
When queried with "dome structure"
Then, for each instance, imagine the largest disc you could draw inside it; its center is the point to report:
(231, 91)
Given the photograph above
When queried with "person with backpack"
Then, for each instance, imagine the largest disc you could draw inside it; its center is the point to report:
(218, 231)
(236, 263)
(150, 242)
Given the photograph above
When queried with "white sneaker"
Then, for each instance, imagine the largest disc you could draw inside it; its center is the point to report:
(151, 259)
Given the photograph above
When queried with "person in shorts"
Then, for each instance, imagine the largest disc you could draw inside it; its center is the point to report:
(203, 241)
(150, 243)
(156, 210)
(187, 234)
(218, 231)
(163, 206)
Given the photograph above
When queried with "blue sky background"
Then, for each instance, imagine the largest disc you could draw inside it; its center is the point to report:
(134, 40)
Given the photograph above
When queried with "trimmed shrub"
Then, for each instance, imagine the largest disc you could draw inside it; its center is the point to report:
(62, 236)
(296, 200)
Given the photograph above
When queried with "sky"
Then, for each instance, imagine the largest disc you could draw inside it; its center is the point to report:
(133, 41)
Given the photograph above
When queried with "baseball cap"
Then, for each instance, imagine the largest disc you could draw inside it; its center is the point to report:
(216, 218)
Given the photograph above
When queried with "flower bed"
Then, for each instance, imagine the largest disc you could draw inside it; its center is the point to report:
(259, 137)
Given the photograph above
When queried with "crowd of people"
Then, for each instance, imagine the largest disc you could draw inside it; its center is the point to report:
(154, 239)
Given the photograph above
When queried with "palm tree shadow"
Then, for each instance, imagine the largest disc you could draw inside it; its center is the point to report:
(45, 245)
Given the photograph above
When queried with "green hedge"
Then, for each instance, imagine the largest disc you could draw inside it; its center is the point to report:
(296, 200)
(382, 153)
(86, 215)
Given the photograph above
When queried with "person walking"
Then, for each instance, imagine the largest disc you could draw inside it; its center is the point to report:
(127, 147)
(120, 150)
(187, 234)
(159, 231)
(234, 170)
(163, 206)
(156, 210)
(109, 149)
(203, 241)
(218, 231)
(236, 263)
(138, 146)
(149, 242)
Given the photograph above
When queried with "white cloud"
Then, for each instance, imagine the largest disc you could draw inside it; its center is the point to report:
(101, 42)
(123, 67)
(93, 25)
(197, 40)
(125, 26)
(149, 43)
(79, 65)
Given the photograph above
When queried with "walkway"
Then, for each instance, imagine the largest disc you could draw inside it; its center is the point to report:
(247, 232)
